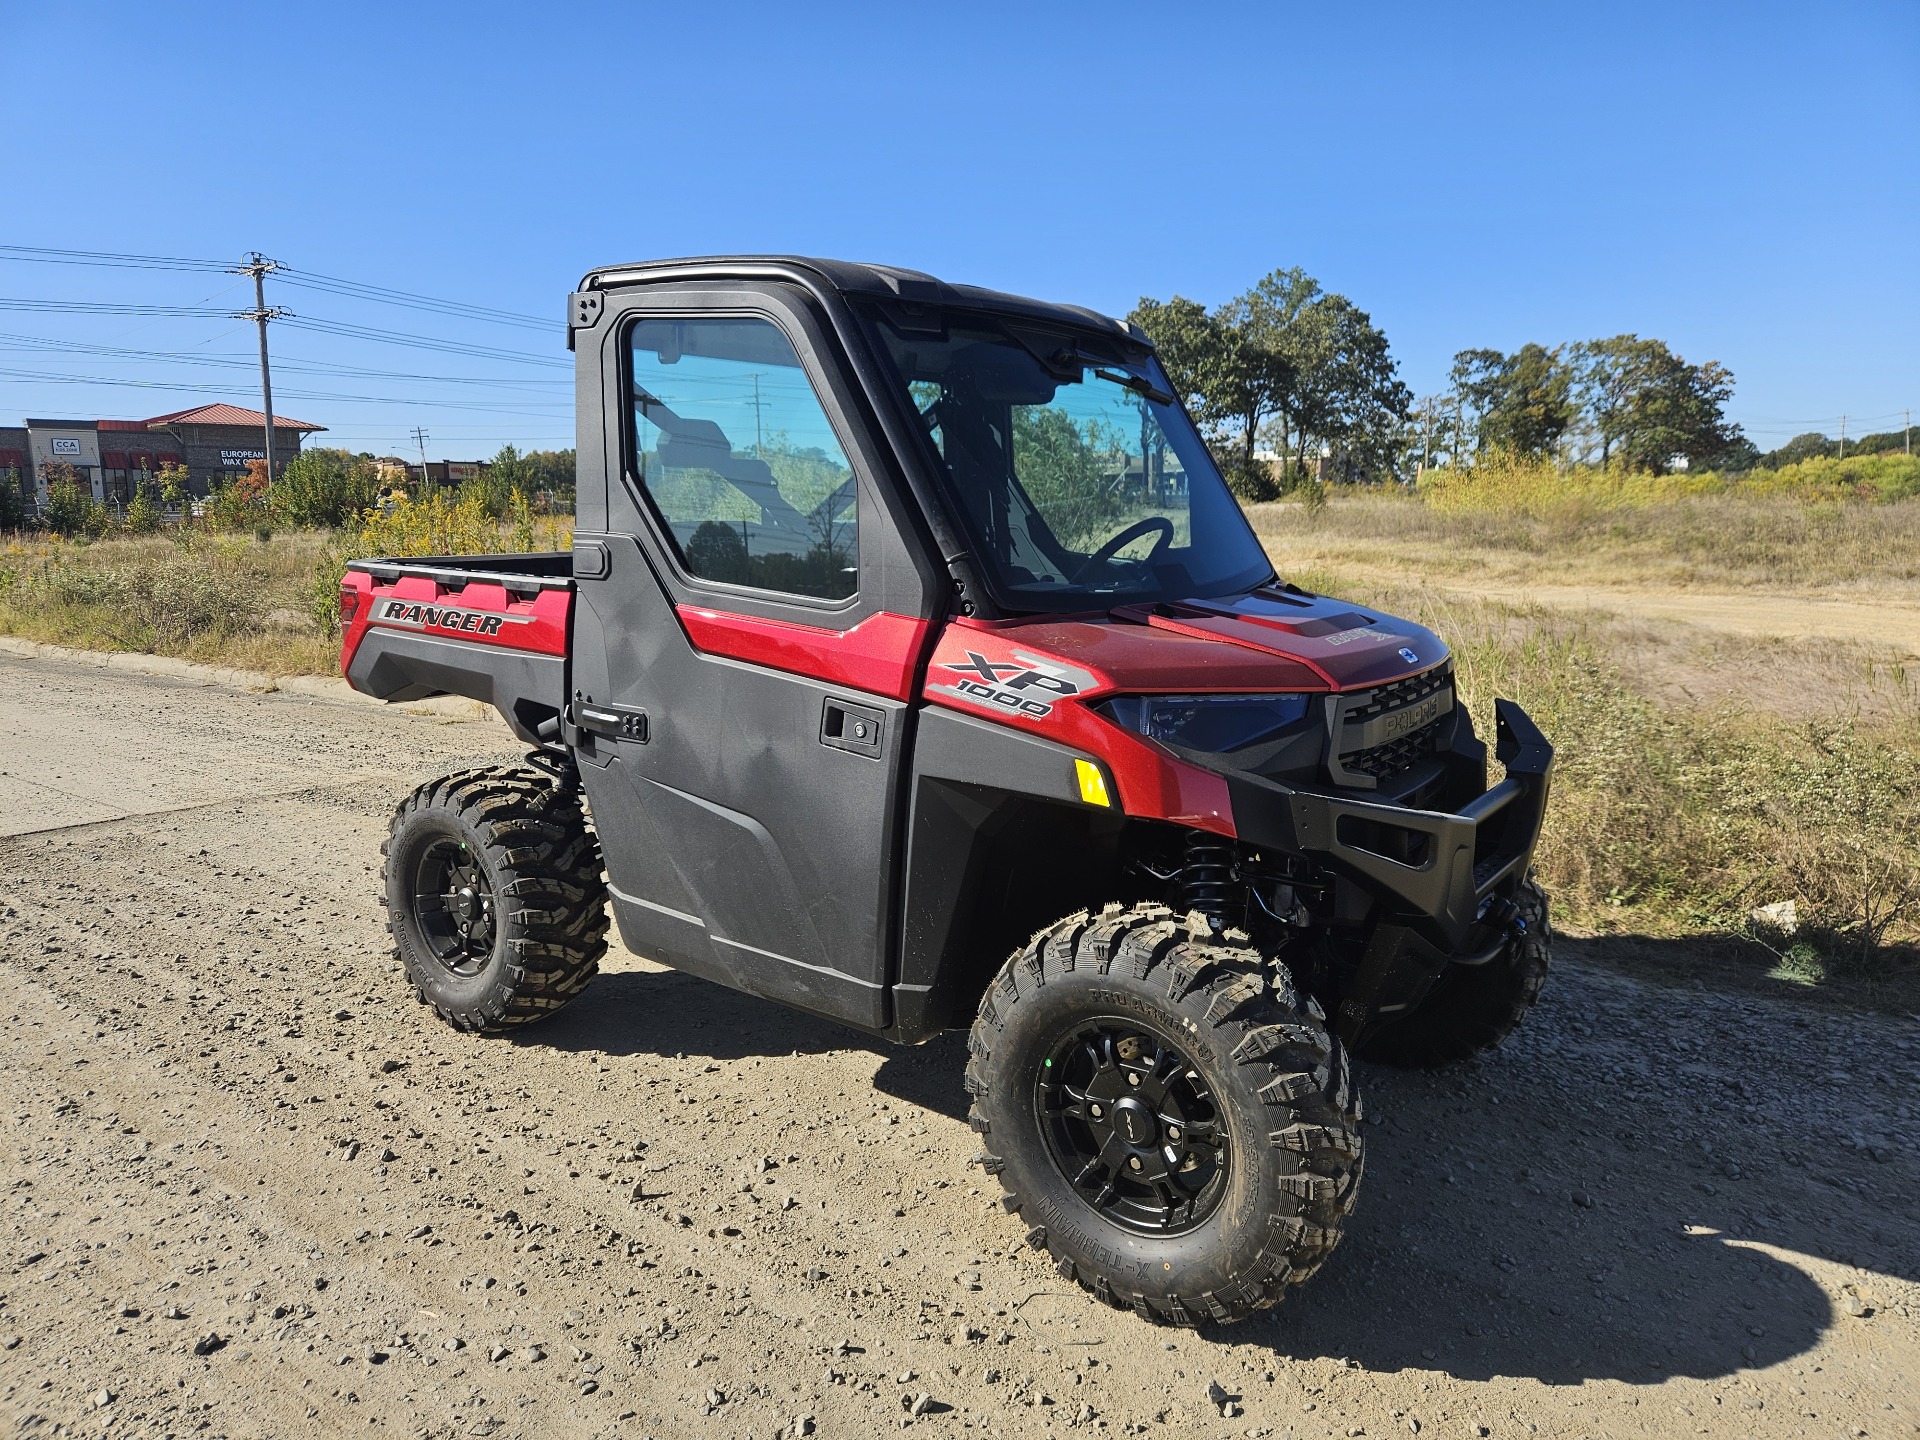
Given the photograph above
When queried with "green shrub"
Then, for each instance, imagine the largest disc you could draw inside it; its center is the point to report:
(143, 512)
(13, 505)
(72, 511)
(439, 522)
(324, 489)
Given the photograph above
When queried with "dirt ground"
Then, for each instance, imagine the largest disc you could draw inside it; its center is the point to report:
(1883, 623)
(252, 1189)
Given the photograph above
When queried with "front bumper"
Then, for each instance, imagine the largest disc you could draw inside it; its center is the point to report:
(1432, 871)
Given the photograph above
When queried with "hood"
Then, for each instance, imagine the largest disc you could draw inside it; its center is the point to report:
(1269, 640)
(1345, 646)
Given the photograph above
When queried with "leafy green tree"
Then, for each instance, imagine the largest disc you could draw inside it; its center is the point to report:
(1810, 446)
(1522, 403)
(324, 489)
(13, 504)
(143, 512)
(176, 490)
(1060, 466)
(554, 469)
(1347, 389)
(71, 509)
(1283, 341)
(1680, 409)
(1648, 405)
(1286, 359)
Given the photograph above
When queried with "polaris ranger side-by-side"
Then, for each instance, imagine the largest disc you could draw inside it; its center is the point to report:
(917, 669)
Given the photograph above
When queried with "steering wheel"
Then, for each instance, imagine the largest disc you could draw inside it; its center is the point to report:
(1125, 538)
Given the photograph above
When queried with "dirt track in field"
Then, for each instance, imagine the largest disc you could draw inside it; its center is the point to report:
(679, 1211)
(1883, 623)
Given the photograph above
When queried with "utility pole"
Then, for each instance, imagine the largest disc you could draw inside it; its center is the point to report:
(1906, 431)
(1843, 437)
(420, 439)
(260, 267)
(756, 416)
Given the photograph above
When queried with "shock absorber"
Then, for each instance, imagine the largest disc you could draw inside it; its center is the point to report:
(1205, 882)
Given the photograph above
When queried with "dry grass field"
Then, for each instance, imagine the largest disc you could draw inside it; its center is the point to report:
(1734, 686)
(1733, 680)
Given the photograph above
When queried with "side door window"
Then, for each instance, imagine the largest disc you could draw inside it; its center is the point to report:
(739, 460)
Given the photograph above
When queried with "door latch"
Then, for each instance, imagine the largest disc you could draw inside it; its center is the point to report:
(855, 728)
(618, 722)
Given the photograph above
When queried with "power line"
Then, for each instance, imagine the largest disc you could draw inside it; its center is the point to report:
(46, 377)
(424, 342)
(38, 343)
(47, 256)
(110, 307)
(407, 300)
(331, 284)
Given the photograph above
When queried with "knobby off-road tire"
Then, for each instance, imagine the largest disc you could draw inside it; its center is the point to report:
(1238, 1042)
(495, 899)
(1473, 1008)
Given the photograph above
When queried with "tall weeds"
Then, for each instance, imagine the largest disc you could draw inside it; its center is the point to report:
(1667, 820)
(438, 523)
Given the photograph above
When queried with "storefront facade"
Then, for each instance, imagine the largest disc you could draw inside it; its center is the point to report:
(213, 443)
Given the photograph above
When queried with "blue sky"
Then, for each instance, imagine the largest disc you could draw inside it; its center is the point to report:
(1742, 180)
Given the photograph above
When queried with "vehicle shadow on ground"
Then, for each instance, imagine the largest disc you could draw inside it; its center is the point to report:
(1499, 1273)
(1475, 1269)
(640, 1012)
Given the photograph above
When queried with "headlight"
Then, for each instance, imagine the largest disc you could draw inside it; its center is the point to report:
(1212, 723)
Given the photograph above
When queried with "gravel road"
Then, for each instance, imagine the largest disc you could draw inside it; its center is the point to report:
(252, 1189)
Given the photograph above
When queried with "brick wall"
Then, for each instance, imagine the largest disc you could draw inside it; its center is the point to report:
(203, 444)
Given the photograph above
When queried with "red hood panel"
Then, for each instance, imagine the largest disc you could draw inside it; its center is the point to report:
(1346, 646)
(1257, 643)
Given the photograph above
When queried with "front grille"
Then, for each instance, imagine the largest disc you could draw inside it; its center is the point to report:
(1402, 692)
(1403, 751)
(1380, 761)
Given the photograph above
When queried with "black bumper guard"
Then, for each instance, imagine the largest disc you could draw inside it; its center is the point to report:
(1449, 866)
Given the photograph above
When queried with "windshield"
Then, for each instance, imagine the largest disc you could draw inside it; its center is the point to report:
(1082, 484)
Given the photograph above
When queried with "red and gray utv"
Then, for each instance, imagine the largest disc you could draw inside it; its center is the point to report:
(913, 666)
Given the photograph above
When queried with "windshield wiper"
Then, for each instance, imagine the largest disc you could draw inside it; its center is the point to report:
(1139, 384)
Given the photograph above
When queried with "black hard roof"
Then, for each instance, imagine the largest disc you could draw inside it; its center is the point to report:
(851, 277)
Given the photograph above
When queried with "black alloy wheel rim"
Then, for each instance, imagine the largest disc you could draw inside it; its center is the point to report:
(1133, 1127)
(453, 904)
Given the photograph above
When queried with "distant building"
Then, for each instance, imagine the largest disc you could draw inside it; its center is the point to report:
(447, 472)
(213, 443)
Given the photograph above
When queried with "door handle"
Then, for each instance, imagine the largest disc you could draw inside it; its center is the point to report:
(857, 729)
(618, 722)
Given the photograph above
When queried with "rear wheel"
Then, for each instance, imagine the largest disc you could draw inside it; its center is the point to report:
(1473, 1008)
(495, 899)
(1176, 1125)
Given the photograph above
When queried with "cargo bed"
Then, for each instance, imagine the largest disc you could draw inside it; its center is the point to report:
(493, 628)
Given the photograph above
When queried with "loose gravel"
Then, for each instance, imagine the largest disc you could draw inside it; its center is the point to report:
(253, 1189)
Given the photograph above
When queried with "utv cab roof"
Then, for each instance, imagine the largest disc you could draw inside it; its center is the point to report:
(850, 277)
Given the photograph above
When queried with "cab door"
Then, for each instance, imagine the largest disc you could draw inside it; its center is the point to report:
(751, 626)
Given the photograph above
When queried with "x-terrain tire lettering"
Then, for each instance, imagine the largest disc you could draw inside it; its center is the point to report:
(495, 898)
(1204, 1149)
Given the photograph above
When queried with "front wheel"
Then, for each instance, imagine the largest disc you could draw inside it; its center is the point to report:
(1177, 1126)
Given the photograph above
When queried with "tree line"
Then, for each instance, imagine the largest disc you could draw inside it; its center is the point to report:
(1289, 381)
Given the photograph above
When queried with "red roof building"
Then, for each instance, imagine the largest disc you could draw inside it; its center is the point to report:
(214, 443)
(219, 415)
